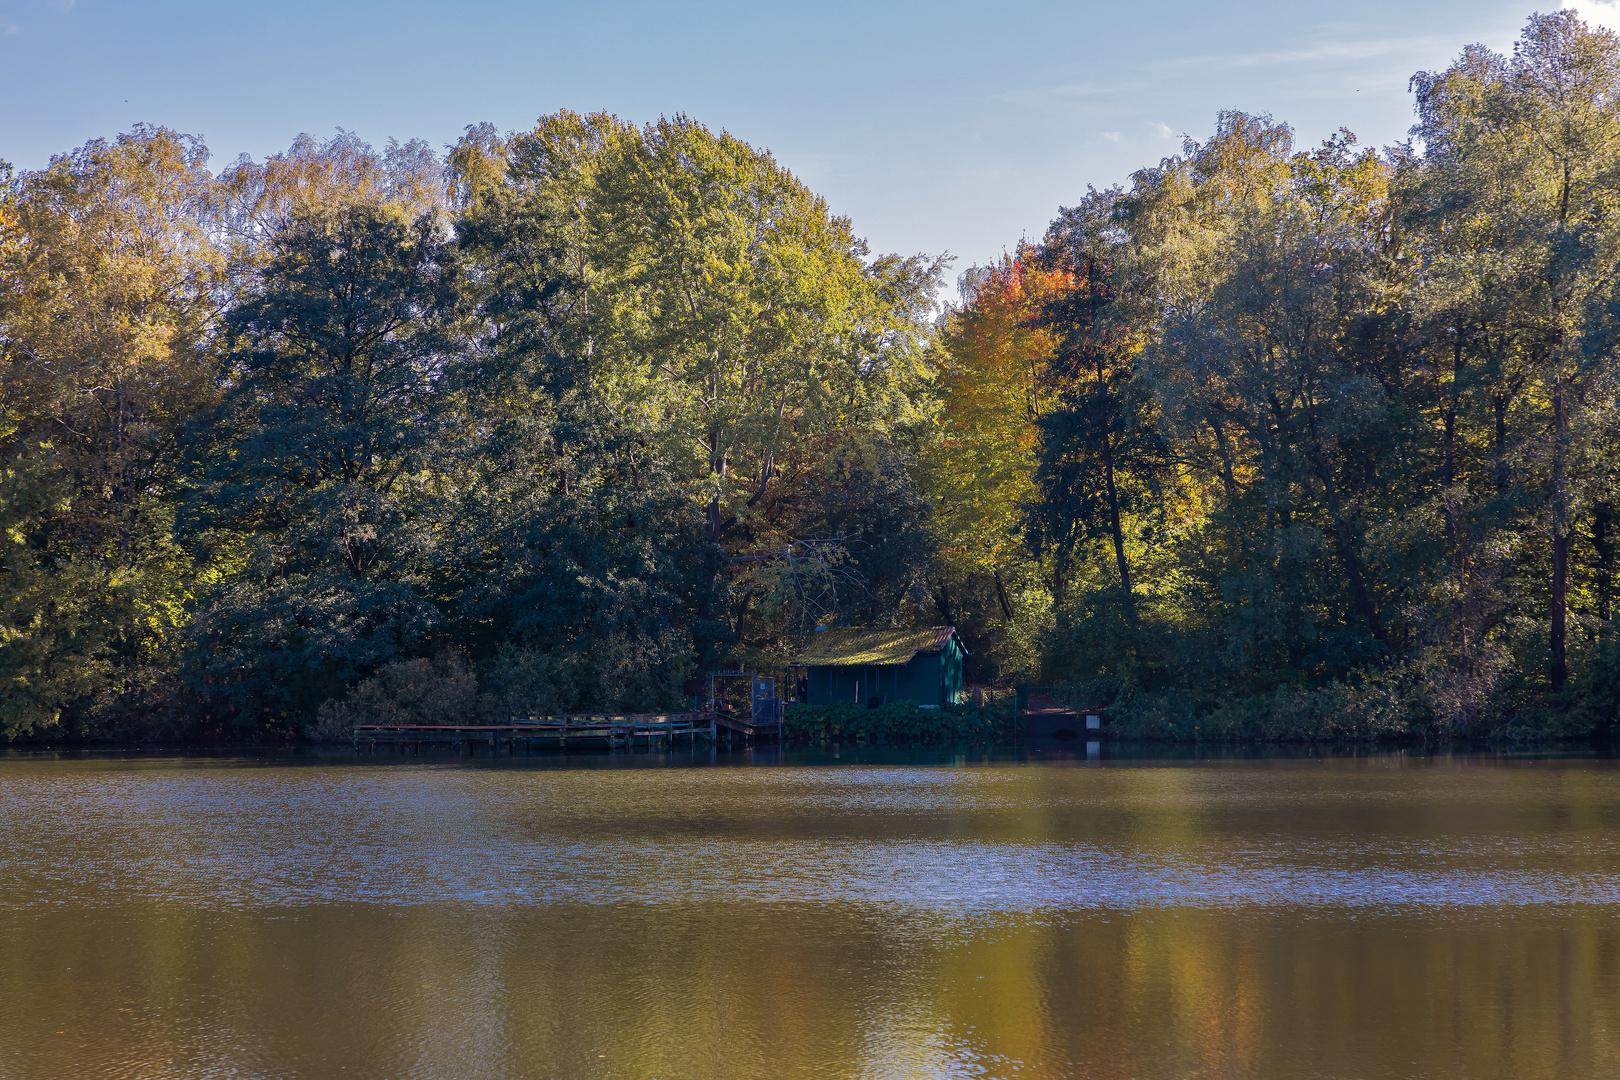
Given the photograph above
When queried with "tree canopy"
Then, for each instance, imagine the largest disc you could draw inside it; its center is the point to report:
(1271, 441)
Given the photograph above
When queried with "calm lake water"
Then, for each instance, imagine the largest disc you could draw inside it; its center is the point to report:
(923, 916)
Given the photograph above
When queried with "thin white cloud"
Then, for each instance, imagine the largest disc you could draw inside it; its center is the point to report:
(1605, 13)
(1161, 131)
(1328, 51)
(1111, 136)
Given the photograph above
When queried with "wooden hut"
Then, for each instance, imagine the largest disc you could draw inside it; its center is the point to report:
(881, 666)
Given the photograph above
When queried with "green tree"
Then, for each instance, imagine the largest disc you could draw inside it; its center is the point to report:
(1102, 455)
(317, 479)
(1520, 192)
(714, 312)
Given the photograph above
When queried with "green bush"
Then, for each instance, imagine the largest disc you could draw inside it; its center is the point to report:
(1368, 707)
(615, 673)
(1595, 695)
(899, 724)
(441, 691)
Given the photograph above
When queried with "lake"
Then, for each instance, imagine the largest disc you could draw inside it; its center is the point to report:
(815, 915)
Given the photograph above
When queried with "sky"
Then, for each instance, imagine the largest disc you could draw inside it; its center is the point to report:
(937, 127)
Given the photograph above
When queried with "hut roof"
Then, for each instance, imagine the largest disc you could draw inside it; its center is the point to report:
(851, 647)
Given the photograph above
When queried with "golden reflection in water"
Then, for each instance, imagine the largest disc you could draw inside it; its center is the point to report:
(108, 976)
(591, 991)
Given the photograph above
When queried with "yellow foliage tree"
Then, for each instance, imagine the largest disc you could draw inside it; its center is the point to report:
(110, 284)
(995, 382)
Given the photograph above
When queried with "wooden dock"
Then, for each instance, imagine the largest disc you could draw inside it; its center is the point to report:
(523, 734)
(1045, 717)
(734, 724)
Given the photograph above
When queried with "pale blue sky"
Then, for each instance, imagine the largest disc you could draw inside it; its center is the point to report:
(936, 126)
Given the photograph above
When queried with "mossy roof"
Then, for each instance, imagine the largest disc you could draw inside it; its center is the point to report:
(851, 647)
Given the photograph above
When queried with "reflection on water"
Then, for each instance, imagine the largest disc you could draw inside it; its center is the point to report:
(243, 917)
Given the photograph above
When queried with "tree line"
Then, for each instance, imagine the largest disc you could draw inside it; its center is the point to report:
(586, 408)
(1324, 439)
(1270, 442)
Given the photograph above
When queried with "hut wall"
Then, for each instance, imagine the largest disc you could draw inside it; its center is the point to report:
(919, 681)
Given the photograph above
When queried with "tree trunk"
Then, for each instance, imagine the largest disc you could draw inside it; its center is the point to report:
(1119, 534)
(1449, 476)
(1228, 477)
(1347, 547)
(1114, 524)
(1499, 449)
(1268, 470)
(1060, 589)
(1602, 521)
(1559, 669)
(1001, 596)
(714, 529)
(715, 526)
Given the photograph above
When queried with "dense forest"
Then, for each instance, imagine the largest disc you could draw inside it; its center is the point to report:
(1270, 443)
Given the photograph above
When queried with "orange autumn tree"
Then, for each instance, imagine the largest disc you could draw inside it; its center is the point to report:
(995, 383)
